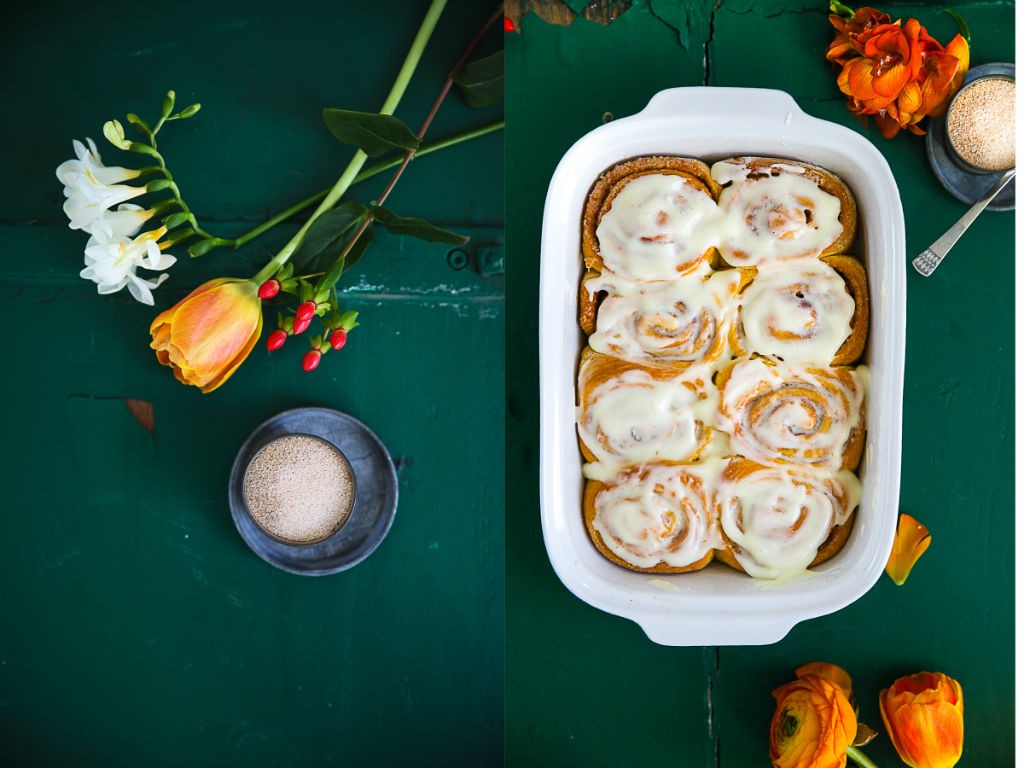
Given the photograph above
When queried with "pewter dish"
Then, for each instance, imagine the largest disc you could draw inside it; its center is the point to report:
(372, 512)
(717, 605)
(965, 186)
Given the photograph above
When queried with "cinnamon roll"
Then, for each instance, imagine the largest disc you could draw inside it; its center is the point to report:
(685, 321)
(813, 311)
(780, 520)
(630, 414)
(791, 413)
(651, 218)
(654, 518)
(774, 211)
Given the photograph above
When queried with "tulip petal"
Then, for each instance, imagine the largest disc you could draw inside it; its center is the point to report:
(912, 539)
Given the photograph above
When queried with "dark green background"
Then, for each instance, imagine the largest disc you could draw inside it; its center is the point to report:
(584, 688)
(138, 629)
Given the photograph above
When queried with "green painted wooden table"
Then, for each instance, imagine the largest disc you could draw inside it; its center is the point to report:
(138, 628)
(584, 688)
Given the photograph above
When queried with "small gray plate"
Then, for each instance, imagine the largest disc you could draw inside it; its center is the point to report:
(376, 493)
(963, 185)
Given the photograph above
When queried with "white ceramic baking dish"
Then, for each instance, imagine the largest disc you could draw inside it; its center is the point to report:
(719, 606)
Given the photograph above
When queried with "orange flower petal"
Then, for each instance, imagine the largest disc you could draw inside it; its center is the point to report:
(830, 672)
(912, 539)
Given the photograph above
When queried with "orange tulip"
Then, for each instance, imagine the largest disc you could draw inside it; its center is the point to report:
(924, 716)
(814, 723)
(209, 333)
(912, 539)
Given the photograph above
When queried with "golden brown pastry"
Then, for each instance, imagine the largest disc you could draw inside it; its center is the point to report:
(632, 414)
(785, 413)
(779, 520)
(651, 218)
(775, 210)
(680, 322)
(809, 311)
(655, 518)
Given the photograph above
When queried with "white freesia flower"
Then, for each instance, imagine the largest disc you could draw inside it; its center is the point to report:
(111, 261)
(124, 222)
(91, 187)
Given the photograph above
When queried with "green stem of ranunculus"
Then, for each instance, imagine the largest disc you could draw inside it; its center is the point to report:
(860, 758)
(363, 175)
(348, 176)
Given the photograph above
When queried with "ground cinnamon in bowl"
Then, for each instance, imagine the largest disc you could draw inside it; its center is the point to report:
(981, 124)
(299, 489)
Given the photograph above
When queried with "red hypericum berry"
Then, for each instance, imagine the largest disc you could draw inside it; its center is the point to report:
(338, 338)
(510, 26)
(269, 289)
(299, 325)
(305, 310)
(276, 339)
(311, 359)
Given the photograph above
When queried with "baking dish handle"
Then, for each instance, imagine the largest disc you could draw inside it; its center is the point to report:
(672, 102)
(714, 629)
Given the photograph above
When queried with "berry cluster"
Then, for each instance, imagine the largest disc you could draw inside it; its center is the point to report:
(337, 325)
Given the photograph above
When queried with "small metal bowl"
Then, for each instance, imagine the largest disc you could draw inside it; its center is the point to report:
(343, 515)
(373, 510)
(968, 186)
(957, 154)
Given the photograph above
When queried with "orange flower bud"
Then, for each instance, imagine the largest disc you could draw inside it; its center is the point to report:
(912, 539)
(924, 716)
(209, 333)
(814, 722)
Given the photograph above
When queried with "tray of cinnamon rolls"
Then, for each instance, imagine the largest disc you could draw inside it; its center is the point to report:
(721, 344)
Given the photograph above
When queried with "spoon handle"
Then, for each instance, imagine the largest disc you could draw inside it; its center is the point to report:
(929, 260)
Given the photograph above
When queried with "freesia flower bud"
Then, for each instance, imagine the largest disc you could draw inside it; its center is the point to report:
(912, 539)
(924, 716)
(209, 333)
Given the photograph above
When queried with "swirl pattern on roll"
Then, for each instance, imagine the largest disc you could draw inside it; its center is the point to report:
(773, 212)
(800, 314)
(658, 227)
(630, 414)
(656, 517)
(685, 321)
(794, 413)
(779, 520)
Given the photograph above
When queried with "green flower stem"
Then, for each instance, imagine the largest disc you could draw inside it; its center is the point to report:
(347, 178)
(151, 151)
(860, 758)
(363, 175)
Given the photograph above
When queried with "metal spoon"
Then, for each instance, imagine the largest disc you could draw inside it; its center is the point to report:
(930, 259)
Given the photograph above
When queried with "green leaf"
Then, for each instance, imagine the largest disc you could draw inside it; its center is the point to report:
(373, 133)
(327, 236)
(965, 32)
(415, 227)
(330, 278)
(482, 82)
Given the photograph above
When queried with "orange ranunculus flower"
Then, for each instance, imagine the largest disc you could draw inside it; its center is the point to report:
(207, 335)
(924, 715)
(912, 539)
(814, 722)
